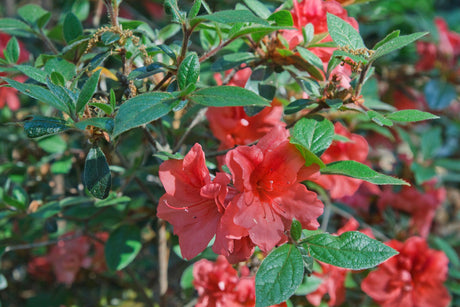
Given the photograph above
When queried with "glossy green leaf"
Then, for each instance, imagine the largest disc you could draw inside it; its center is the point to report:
(352, 250)
(172, 8)
(314, 134)
(72, 27)
(40, 94)
(361, 171)
(387, 38)
(41, 125)
(396, 43)
(12, 50)
(96, 174)
(258, 8)
(296, 106)
(282, 18)
(122, 246)
(225, 96)
(379, 119)
(230, 17)
(410, 116)
(141, 110)
(310, 57)
(189, 71)
(33, 72)
(12, 23)
(439, 94)
(343, 34)
(61, 93)
(87, 91)
(296, 230)
(279, 275)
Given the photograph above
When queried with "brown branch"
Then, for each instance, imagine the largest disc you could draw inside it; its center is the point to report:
(163, 259)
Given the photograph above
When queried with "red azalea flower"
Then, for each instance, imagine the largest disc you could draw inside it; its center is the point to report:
(269, 195)
(68, 256)
(40, 268)
(420, 204)
(193, 203)
(334, 277)
(315, 12)
(98, 263)
(355, 149)
(238, 79)
(232, 126)
(412, 278)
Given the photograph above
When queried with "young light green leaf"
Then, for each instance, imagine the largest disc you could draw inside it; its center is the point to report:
(226, 96)
(314, 134)
(279, 275)
(379, 118)
(410, 116)
(96, 174)
(282, 18)
(12, 51)
(361, 171)
(72, 27)
(352, 250)
(230, 17)
(89, 88)
(296, 230)
(12, 23)
(395, 44)
(122, 246)
(189, 71)
(141, 110)
(195, 9)
(310, 57)
(258, 8)
(343, 34)
(387, 38)
(40, 94)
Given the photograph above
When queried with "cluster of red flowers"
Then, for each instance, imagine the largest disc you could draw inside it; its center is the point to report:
(68, 256)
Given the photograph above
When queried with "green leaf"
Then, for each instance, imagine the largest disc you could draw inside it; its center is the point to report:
(105, 123)
(361, 171)
(96, 174)
(87, 91)
(122, 246)
(11, 23)
(113, 199)
(231, 60)
(450, 252)
(109, 38)
(296, 106)
(422, 173)
(172, 8)
(282, 18)
(53, 144)
(431, 142)
(310, 284)
(258, 8)
(395, 44)
(379, 119)
(225, 96)
(107, 108)
(387, 38)
(310, 57)
(314, 134)
(195, 9)
(57, 78)
(410, 116)
(230, 17)
(186, 280)
(12, 51)
(34, 15)
(260, 30)
(343, 34)
(41, 125)
(356, 58)
(141, 110)
(279, 275)
(189, 71)
(352, 250)
(296, 230)
(40, 94)
(61, 93)
(32, 72)
(72, 27)
(439, 94)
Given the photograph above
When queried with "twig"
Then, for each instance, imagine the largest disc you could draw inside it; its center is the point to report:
(163, 259)
(40, 244)
(198, 119)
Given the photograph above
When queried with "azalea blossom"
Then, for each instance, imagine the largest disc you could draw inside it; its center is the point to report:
(420, 204)
(193, 203)
(412, 278)
(315, 12)
(269, 194)
(355, 148)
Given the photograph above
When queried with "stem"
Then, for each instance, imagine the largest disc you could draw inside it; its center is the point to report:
(163, 258)
(40, 244)
(47, 41)
(198, 119)
(211, 52)
(362, 76)
(160, 84)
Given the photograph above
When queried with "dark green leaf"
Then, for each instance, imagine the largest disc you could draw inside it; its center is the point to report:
(224, 96)
(439, 94)
(387, 38)
(57, 78)
(141, 110)
(352, 250)
(314, 134)
(258, 8)
(230, 17)
(231, 60)
(361, 171)
(41, 125)
(87, 91)
(279, 275)
(61, 93)
(410, 116)
(343, 34)
(282, 18)
(32, 72)
(172, 8)
(395, 44)
(109, 38)
(65, 68)
(96, 174)
(189, 71)
(40, 94)
(122, 247)
(104, 123)
(296, 106)
(72, 27)
(195, 9)
(11, 52)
